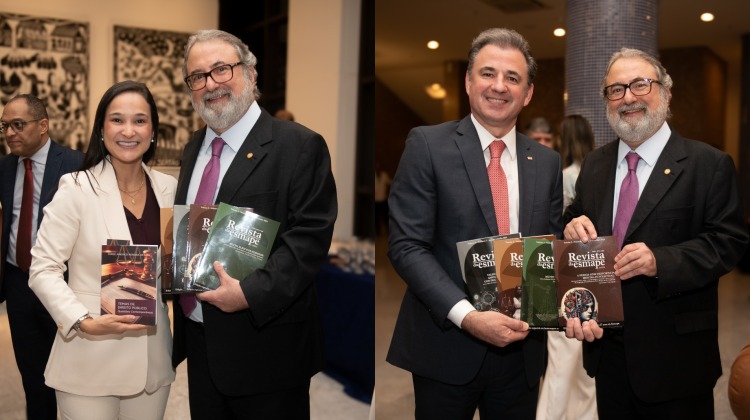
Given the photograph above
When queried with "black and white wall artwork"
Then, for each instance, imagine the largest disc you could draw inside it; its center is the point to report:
(48, 58)
(155, 58)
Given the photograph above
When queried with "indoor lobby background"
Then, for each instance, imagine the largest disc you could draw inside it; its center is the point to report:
(309, 55)
(709, 63)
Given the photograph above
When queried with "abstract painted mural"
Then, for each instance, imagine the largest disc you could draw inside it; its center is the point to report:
(155, 58)
(48, 58)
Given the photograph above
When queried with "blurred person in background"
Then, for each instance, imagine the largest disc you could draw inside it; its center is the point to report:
(567, 392)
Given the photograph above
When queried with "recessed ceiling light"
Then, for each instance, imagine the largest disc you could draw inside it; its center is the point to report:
(559, 32)
(433, 45)
(707, 17)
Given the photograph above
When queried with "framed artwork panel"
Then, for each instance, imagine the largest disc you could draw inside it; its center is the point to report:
(154, 57)
(49, 58)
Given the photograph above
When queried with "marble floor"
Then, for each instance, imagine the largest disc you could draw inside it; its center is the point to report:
(393, 387)
(327, 398)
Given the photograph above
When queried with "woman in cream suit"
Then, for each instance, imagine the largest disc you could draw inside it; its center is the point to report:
(104, 366)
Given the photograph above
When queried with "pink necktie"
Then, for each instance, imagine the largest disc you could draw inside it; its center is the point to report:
(205, 195)
(628, 199)
(499, 187)
(23, 239)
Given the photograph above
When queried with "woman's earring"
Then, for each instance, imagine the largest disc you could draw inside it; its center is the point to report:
(102, 138)
(152, 140)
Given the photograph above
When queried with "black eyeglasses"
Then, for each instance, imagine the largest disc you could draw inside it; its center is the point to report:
(638, 87)
(16, 125)
(220, 74)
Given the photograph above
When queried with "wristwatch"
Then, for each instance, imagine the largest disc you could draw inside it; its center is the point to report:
(77, 325)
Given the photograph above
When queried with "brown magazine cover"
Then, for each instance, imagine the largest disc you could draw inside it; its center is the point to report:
(129, 280)
(509, 270)
(586, 282)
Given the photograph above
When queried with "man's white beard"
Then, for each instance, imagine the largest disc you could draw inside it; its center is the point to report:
(219, 119)
(643, 129)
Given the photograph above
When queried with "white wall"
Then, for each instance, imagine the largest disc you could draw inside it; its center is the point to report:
(321, 86)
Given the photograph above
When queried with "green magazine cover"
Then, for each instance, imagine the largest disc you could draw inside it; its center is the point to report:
(539, 296)
(240, 239)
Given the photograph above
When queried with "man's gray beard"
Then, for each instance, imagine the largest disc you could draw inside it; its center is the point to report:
(645, 128)
(232, 111)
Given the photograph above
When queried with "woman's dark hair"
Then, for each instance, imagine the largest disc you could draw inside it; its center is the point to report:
(96, 151)
(576, 139)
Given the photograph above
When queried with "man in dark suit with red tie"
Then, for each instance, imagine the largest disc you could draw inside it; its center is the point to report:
(444, 192)
(253, 344)
(675, 206)
(30, 175)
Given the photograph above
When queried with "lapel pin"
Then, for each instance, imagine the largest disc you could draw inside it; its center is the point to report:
(249, 155)
(530, 157)
(667, 171)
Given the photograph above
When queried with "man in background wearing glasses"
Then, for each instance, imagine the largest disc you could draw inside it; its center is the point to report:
(253, 344)
(34, 166)
(684, 229)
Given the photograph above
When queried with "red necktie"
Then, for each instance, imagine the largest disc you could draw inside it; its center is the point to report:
(23, 240)
(499, 187)
(628, 199)
(205, 195)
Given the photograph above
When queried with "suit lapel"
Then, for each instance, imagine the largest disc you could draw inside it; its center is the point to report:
(470, 147)
(52, 169)
(666, 171)
(526, 175)
(187, 165)
(604, 187)
(247, 158)
(110, 202)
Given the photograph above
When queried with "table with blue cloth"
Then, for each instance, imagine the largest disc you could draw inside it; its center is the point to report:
(347, 306)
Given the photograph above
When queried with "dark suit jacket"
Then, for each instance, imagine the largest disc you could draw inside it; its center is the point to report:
(276, 343)
(60, 160)
(690, 215)
(441, 195)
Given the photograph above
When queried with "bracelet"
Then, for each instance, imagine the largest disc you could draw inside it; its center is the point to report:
(77, 325)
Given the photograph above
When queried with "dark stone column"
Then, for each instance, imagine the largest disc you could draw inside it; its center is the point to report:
(597, 29)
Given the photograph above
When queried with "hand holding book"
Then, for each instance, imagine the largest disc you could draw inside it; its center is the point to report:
(228, 296)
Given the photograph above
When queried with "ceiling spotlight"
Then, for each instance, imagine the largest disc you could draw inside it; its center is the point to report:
(435, 91)
(707, 17)
(433, 45)
(559, 32)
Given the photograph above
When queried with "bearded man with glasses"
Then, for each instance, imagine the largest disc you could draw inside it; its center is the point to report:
(674, 204)
(253, 344)
(24, 126)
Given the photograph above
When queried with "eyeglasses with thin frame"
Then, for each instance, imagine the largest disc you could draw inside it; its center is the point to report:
(638, 87)
(16, 125)
(220, 74)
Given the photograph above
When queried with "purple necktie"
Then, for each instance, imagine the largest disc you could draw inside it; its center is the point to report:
(628, 199)
(205, 195)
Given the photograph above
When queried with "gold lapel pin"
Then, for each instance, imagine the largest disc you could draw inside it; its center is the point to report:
(530, 157)
(667, 171)
(249, 155)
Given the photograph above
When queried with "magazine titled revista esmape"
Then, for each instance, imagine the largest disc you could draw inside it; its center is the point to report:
(477, 260)
(240, 240)
(587, 285)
